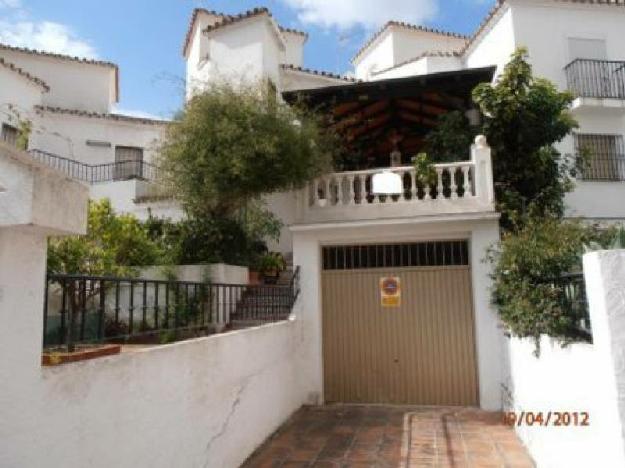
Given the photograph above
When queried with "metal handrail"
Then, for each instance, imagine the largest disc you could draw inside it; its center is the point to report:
(593, 78)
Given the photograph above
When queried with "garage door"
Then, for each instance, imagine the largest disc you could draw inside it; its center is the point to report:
(398, 324)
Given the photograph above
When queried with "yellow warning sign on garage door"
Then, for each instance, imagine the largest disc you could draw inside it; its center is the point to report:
(390, 292)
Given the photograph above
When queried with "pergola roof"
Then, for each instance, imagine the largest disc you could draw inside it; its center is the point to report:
(373, 117)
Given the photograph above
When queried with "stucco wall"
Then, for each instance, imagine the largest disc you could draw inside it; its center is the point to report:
(563, 379)
(203, 403)
(19, 93)
(73, 85)
(67, 135)
(495, 45)
(578, 378)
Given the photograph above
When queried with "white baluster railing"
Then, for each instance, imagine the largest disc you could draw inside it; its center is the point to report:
(467, 184)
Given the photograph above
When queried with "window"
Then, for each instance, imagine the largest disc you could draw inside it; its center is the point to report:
(9, 134)
(128, 163)
(605, 156)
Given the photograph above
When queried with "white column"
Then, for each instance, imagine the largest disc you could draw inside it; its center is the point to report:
(604, 272)
(481, 157)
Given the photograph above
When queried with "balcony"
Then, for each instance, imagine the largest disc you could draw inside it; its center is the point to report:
(597, 83)
(464, 187)
(97, 173)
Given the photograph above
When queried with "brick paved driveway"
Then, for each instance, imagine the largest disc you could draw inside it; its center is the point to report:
(392, 436)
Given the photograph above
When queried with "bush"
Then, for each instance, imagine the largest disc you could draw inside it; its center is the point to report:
(528, 266)
(113, 245)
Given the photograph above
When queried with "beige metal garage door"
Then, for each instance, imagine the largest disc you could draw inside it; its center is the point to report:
(420, 352)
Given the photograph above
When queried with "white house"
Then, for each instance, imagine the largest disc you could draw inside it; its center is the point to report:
(345, 236)
(69, 104)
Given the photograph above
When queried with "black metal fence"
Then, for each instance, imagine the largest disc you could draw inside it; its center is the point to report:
(596, 78)
(93, 174)
(90, 309)
(576, 302)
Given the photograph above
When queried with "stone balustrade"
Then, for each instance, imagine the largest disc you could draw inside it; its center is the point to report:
(458, 187)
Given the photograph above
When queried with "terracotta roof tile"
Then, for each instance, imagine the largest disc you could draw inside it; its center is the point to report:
(58, 56)
(231, 19)
(406, 26)
(318, 73)
(99, 115)
(194, 15)
(24, 74)
(294, 31)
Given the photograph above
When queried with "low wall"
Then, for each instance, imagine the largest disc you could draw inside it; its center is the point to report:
(582, 378)
(203, 403)
(569, 379)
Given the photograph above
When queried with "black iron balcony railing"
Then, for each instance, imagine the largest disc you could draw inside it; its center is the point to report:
(596, 78)
(98, 173)
(92, 309)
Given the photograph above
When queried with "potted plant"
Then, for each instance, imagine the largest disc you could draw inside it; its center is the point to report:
(271, 265)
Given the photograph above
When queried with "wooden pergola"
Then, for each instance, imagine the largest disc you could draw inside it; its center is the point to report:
(377, 117)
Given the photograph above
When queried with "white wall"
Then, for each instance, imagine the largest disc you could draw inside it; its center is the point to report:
(18, 97)
(203, 403)
(409, 43)
(66, 135)
(244, 52)
(294, 53)
(496, 43)
(378, 58)
(73, 85)
(578, 378)
(423, 66)
(563, 379)
(481, 232)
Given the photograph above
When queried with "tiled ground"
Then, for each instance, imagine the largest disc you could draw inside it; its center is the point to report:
(392, 436)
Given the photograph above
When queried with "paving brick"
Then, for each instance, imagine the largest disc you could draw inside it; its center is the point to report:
(345, 436)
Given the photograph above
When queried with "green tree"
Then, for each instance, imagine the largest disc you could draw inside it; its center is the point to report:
(523, 118)
(114, 245)
(231, 145)
(452, 138)
(529, 264)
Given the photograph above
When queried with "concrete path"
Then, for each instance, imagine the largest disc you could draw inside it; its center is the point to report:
(392, 436)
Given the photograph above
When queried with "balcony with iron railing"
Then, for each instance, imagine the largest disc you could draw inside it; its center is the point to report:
(463, 187)
(597, 83)
(98, 173)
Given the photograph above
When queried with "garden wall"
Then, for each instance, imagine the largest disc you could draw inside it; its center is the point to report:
(579, 378)
(208, 402)
(203, 403)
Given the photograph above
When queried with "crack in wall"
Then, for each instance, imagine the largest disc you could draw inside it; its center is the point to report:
(233, 407)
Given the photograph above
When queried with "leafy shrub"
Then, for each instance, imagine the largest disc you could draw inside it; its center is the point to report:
(528, 266)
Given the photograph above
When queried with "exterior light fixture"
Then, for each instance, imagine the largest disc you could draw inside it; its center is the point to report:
(387, 183)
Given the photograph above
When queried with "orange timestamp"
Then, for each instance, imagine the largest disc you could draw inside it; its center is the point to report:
(547, 418)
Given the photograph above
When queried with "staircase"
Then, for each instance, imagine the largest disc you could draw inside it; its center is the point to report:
(267, 303)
